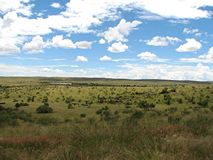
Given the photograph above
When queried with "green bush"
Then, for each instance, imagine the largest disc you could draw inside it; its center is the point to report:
(17, 105)
(203, 103)
(44, 109)
(83, 115)
(9, 116)
(145, 105)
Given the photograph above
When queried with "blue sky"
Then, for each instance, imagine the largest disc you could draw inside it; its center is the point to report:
(135, 39)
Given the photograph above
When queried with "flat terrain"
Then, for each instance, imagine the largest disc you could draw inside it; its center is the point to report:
(105, 119)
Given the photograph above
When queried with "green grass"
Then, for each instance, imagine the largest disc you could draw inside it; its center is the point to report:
(104, 120)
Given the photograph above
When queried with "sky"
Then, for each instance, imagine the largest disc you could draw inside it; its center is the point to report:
(133, 39)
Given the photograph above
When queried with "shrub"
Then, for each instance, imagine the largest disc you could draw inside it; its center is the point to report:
(145, 105)
(179, 100)
(70, 106)
(44, 109)
(10, 116)
(167, 99)
(17, 105)
(106, 114)
(203, 103)
(164, 91)
(83, 115)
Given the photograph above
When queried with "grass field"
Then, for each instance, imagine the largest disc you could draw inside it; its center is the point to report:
(105, 119)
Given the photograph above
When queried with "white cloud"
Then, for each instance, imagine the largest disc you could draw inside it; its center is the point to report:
(95, 10)
(105, 58)
(209, 55)
(9, 46)
(35, 46)
(118, 47)
(55, 5)
(196, 32)
(59, 42)
(191, 45)
(119, 32)
(18, 6)
(83, 44)
(164, 71)
(81, 59)
(18, 70)
(80, 16)
(132, 71)
(102, 41)
(147, 56)
(205, 58)
(162, 41)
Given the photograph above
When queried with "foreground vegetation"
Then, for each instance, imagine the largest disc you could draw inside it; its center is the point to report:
(101, 119)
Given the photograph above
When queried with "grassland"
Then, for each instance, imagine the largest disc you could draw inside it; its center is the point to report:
(105, 119)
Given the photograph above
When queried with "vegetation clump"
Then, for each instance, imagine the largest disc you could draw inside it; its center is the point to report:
(145, 105)
(44, 108)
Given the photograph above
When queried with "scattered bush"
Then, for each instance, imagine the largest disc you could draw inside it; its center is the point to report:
(17, 105)
(10, 116)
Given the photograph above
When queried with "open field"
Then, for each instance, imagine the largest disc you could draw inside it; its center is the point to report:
(105, 119)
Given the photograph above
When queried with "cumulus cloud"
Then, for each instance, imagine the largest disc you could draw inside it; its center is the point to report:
(147, 56)
(118, 47)
(119, 32)
(167, 8)
(18, 6)
(83, 44)
(105, 58)
(59, 42)
(9, 46)
(35, 46)
(38, 44)
(80, 16)
(162, 41)
(102, 41)
(204, 58)
(191, 45)
(81, 59)
(55, 5)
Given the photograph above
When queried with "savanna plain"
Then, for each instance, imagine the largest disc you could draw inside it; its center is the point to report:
(105, 119)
